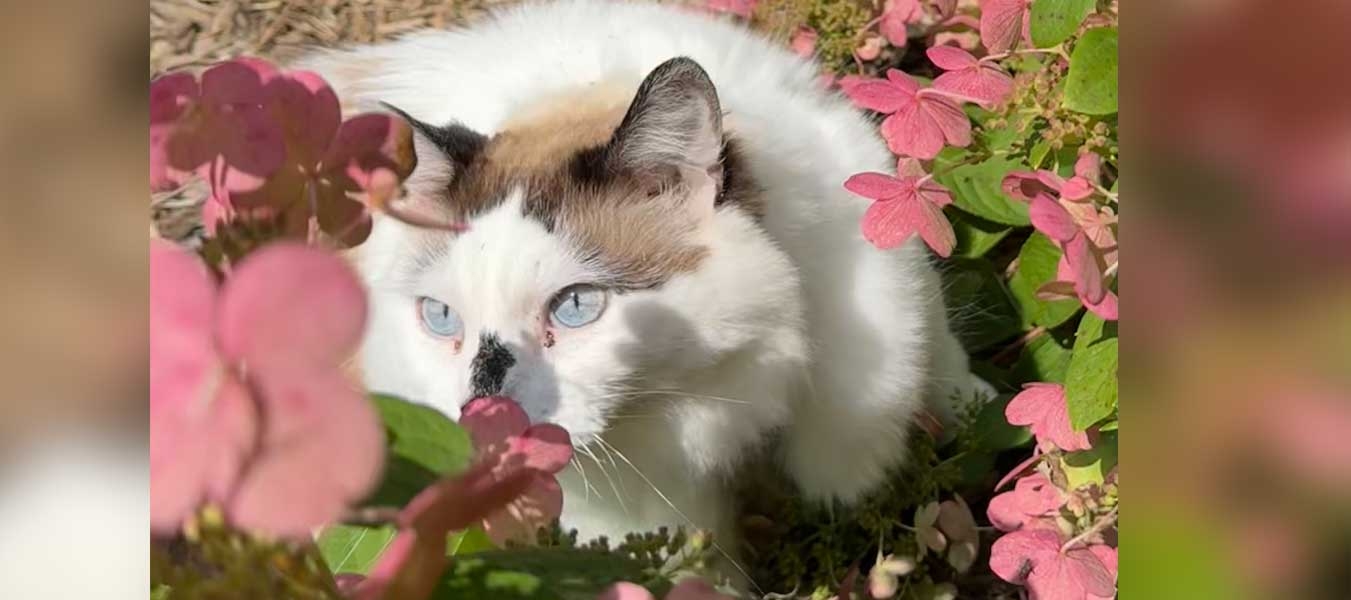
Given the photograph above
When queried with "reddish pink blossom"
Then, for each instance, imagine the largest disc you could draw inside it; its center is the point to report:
(687, 589)
(505, 439)
(1042, 407)
(1032, 499)
(896, 17)
(982, 82)
(803, 41)
(249, 408)
(1001, 23)
(945, 8)
(741, 8)
(957, 523)
(1033, 557)
(870, 48)
(218, 127)
(904, 206)
(919, 121)
(411, 566)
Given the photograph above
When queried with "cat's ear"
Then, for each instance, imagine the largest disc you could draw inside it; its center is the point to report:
(672, 132)
(453, 142)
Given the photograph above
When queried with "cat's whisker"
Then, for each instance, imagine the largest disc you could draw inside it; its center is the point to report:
(680, 513)
(586, 485)
(670, 393)
(618, 496)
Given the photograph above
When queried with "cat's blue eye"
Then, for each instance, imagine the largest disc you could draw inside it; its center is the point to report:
(577, 305)
(439, 318)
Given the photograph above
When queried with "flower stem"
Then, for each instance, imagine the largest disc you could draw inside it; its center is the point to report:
(1106, 521)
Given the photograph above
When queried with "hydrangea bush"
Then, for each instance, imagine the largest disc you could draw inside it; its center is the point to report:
(274, 475)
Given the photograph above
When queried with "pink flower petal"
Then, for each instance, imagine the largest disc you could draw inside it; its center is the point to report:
(626, 591)
(908, 166)
(1083, 259)
(1107, 308)
(520, 519)
(492, 421)
(1050, 218)
(170, 96)
(368, 143)
(803, 41)
(1089, 166)
(945, 7)
(870, 49)
(950, 118)
(895, 18)
(1001, 23)
(986, 85)
(1074, 574)
(1076, 189)
(741, 8)
(911, 131)
(307, 110)
(876, 94)
(322, 449)
(1031, 498)
(934, 193)
(878, 186)
(902, 81)
(545, 447)
(202, 421)
(289, 304)
(1026, 185)
(952, 58)
(1015, 555)
(936, 230)
(1042, 406)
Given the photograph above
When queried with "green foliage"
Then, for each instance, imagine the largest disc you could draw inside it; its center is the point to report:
(1091, 86)
(539, 573)
(1054, 21)
(424, 445)
(975, 236)
(1037, 266)
(982, 310)
(1091, 466)
(975, 187)
(1044, 359)
(1091, 383)
(352, 548)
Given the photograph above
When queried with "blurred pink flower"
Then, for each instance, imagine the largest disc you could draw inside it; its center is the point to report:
(687, 589)
(1042, 407)
(1001, 23)
(957, 523)
(803, 42)
(505, 440)
(904, 206)
(982, 82)
(411, 566)
(1032, 499)
(896, 17)
(217, 127)
(919, 121)
(1033, 557)
(248, 406)
(870, 49)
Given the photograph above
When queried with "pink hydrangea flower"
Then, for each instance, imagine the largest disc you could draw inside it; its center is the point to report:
(248, 406)
(803, 41)
(919, 121)
(910, 204)
(984, 83)
(1001, 23)
(411, 566)
(505, 440)
(1032, 499)
(1033, 557)
(1042, 406)
(687, 589)
(897, 15)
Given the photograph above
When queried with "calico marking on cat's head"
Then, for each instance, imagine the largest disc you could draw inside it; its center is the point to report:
(610, 241)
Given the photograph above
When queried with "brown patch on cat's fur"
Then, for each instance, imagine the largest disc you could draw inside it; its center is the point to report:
(639, 232)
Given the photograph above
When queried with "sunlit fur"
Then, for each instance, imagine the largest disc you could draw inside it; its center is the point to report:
(791, 324)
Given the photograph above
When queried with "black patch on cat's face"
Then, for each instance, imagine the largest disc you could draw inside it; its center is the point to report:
(459, 143)
(489, 368)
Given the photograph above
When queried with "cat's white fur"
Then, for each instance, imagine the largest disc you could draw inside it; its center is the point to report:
(795, 324)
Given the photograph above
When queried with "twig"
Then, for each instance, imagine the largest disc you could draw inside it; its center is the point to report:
(1106, 521)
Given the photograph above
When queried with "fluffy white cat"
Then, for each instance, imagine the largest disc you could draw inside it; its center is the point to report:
(673, 272)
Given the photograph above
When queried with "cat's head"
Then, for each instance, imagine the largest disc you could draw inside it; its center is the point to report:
(613, 248)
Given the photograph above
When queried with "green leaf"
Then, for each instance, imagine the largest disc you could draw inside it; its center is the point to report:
(1091, 383)
(424, 445)
(536, 573)
(1054, 21)
(1036, 266)
(1091, 86)
(975, 236)
(469, 541)
(984, 312)
(1044, 359)
(992, 430)
(975, 188)
(353, 548)
(1091, 466)
(1038, 153)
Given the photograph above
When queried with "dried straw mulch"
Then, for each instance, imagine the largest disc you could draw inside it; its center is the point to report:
(193, 33)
